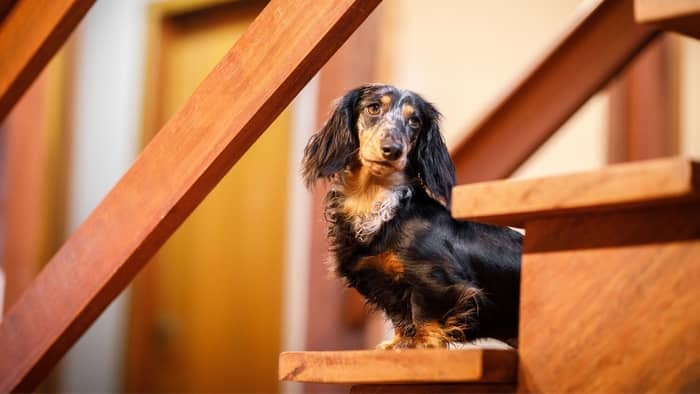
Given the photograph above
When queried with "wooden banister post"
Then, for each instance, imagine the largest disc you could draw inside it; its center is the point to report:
(283, 48)
(30, 34)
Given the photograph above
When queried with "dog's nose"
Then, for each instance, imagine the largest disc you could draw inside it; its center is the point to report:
(391, 151)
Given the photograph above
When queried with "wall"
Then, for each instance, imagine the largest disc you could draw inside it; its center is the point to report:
(462, 54)
(690, 96)
(107, 112)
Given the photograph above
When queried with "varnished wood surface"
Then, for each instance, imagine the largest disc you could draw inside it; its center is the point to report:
(409, 366)
(513, 202)
(456, 388)
(644, 108)
(30, 34)
(266, 68)
(603, 318)
(682, 16)
(603, 39)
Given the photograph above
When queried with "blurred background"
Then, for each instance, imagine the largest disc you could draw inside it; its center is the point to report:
(244, 278)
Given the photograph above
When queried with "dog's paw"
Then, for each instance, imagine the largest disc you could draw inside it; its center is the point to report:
(396, 343)
(386, 345)
(429, 342)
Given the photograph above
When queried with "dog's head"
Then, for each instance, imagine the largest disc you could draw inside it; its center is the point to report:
(385, 130)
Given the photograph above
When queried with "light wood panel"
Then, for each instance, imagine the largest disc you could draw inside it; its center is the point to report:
(454, 388)
(602, 41)
(265, 69)
(682, 16)
(609, 302)
(374, 366)
(513, 202)
(32, 32)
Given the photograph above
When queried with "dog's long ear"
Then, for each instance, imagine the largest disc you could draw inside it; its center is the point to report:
(431, 159)
(331, 149)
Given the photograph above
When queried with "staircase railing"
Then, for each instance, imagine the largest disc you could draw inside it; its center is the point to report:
(602, 41)
(282, 49)
(30, 34)
(265, 69)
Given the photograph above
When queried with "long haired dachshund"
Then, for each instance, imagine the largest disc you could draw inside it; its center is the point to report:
(391, 234)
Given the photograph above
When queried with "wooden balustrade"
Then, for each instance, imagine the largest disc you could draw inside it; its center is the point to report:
(30, 34)
(283, 48)
(603, 40)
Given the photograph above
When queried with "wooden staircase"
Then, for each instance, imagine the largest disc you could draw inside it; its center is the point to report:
(611, 263)
(609, 291)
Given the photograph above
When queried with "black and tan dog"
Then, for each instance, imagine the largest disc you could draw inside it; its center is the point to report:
(391, 234)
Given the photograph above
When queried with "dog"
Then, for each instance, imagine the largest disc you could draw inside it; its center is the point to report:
(391, 235)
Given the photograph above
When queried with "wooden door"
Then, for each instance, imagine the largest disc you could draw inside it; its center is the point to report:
(206, 312)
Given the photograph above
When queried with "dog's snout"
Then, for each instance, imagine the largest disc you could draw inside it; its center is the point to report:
(391, 151)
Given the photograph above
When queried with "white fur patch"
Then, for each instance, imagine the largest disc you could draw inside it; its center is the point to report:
(367, 225)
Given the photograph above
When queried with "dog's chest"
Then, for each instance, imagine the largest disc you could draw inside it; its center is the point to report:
(367, 214)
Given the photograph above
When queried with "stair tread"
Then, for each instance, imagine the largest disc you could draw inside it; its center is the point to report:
(682, 16)
(645, 183)
(407, 366)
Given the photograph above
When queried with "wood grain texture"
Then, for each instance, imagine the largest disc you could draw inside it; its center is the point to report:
(455, 388)
(612, 319)
(409, 366)
(644, 110)
(600, 43)
(682, 16)
(264, 70)
(513, 202)
(32, 31)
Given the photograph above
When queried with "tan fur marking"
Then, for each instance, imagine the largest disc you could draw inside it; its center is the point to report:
(431, 335)
(393, 343)
(386, 99)
(370, 145)
(428, 335)
(387, 262)
(407, 111)
(363, 190)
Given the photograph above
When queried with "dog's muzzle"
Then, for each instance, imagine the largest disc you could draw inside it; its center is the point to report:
(391, 150)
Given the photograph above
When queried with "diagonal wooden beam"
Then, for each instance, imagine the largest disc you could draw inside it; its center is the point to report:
(282, 49)
(30, 34)
(601, 42)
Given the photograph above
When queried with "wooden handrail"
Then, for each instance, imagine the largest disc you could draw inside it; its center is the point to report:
(682, 16)
(601, 42)
(281, 50)
(30, 34)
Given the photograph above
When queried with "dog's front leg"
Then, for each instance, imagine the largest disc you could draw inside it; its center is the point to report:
(427, 331)
(404, 331)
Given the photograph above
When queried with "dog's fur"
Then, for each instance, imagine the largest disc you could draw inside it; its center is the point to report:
(390, 230)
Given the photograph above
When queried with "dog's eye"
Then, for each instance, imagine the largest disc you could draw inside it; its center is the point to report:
(373, 109)
(414, 122)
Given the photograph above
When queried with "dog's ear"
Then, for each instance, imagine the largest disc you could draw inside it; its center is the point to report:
(331, 149)
(431, 159)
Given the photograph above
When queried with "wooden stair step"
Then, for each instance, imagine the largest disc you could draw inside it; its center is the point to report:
(395, 367)
(512, 202)
(682, 16)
